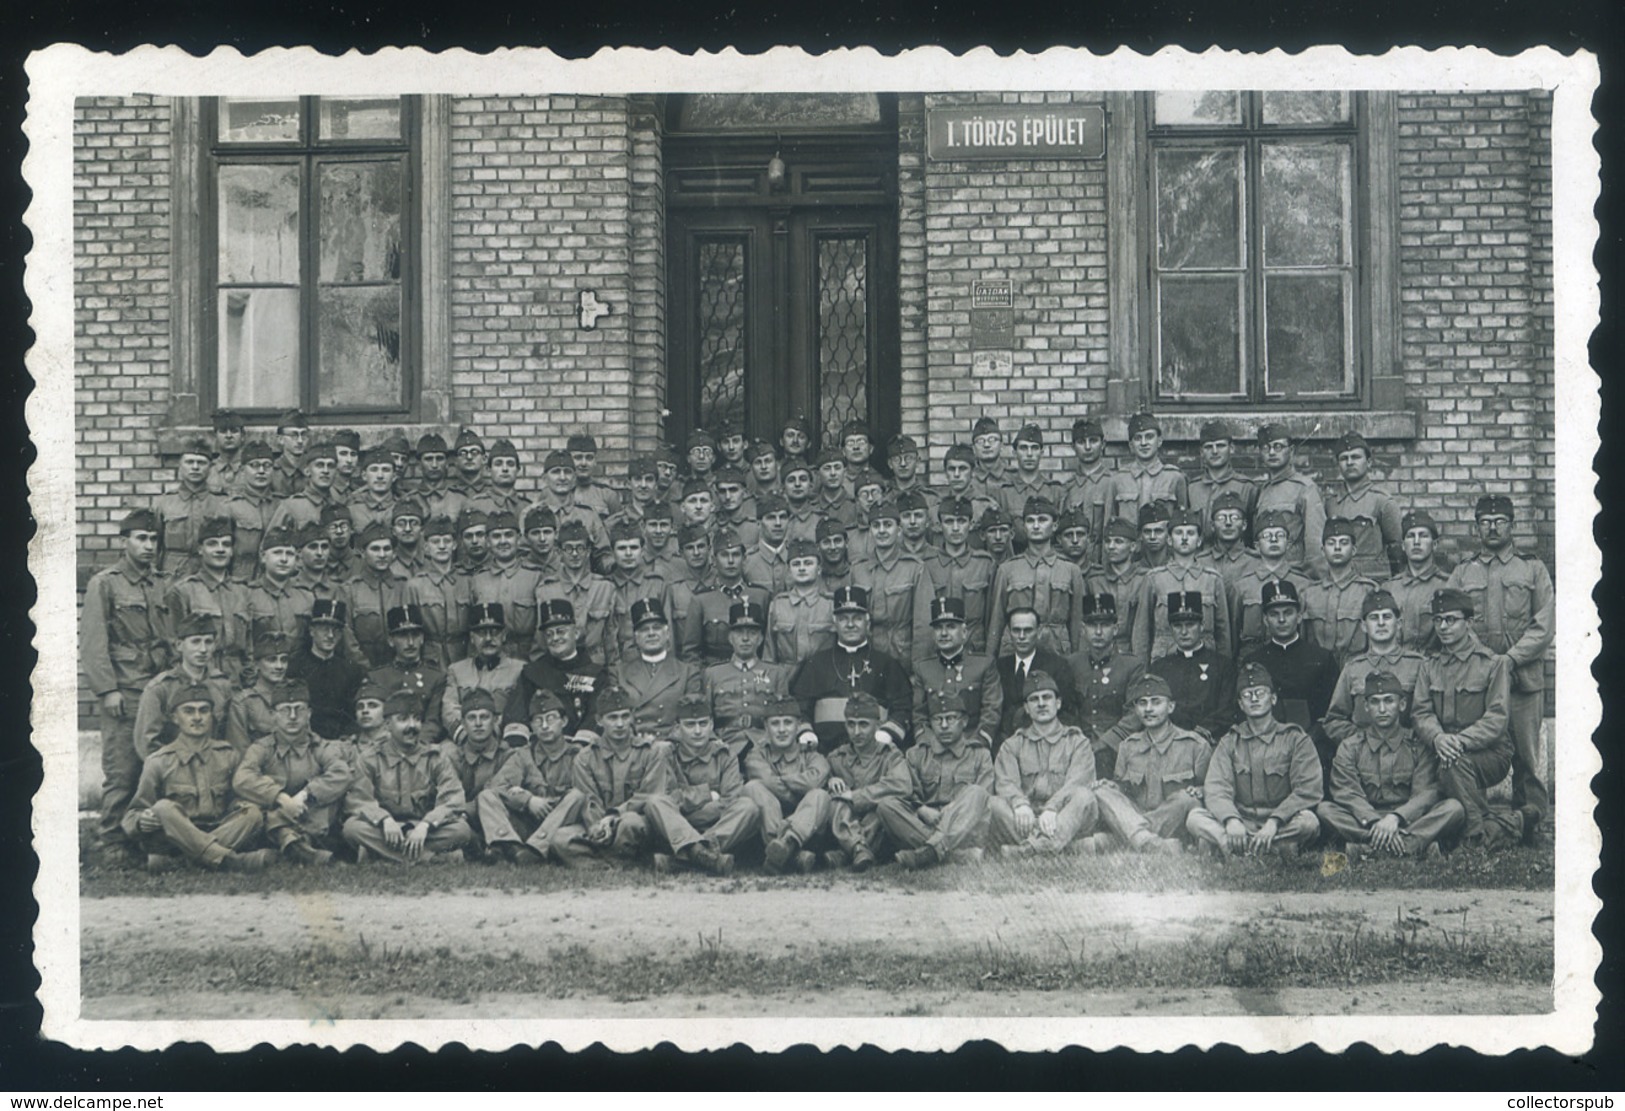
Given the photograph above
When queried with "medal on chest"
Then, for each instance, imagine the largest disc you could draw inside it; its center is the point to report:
(856, 674)
(1201, 672)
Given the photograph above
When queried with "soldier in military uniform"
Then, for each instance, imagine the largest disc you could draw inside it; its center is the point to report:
(406, 523)
(798, 495)
(1272, 529)
(563, 670)
(209, 589)
(433, 487)
(1121, 576)
(519, 809)
(825, 680)
(121, 647)
(375, 500)
(407, 669)
(541, 537)
(1102, 676)
(1072, 540)
(332, 676)
(762, 463)
(1373, 513)
(959, 571)
(972, 680)
(834, 562)
(899, 589)
(1026, 657)
(1421, 576)
(785, 777)
(304, 507)
(370, 727)
(471, 479)
(1181, 574)
(1219, 477)
(801, 618)
(858, 450)
(1145, 479)
(184, 801)
(767, 562)
(903, 457)
(987, 447)
(1156, 784)
(346, 461)
(559, 495)
(1513, 614)
(1459, 707)
(1385, 783)
(1202, 682)
(863, 772)
(700, 453)
(227, 467)
(951, 786)
(487, 668)
(1041, 778)
(296, 780)
(374, 590)
(251, 713)
(1088, 490)
(834, 499)
(500, 494)
(1041, 579)
(1225, 552)
(192, 647)
(293, 438)
(997, 535)
(1331, 604)
(250, 505)
(1380, 617)
(914, 521)
(1263, 781)
(476, 753)
(612, 780)
(1304, 673)
(405, 802)
(600, 497)
(651, 674)
(1286, 490)
(703, 814)
(473, 528)
(443, 594)
(959, 474)
(506, 580)
(339, 526)
(707, 632)
(276, 603)
(795, 441)
(184, 507)
(739, 691)
(1028, 479)
(591, 597)
(734, 509)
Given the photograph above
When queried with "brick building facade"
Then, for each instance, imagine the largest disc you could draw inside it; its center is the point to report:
(523, 209)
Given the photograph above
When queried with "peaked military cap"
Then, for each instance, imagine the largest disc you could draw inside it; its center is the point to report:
(1038, 506)
(993, 517)
(902, 445)
(502, 519)
(306, 535)
(984, 426)
(1279, 592)
(272, 644)
(504, 449)
(1185, 605)
(573, 532)
(403, 702)
(404, 619)
(486, 615)
(688, 534)
(851, 599)
(947, 610)
(472, 518)
(377, 455)
(1269, 433)
(730, 474)
(1156, 512)
(431, 443)
(1378, 600)
(1273, 518)
(795, 466)
(1099, 609)
(329, 611)
(1227, 500)
(478, 699)
(657, 510)
(829, 526)
(701, 438)
(692, 706)
(321, 449)
(799, 423)
(760, 449)
(831, 455)
(726, 537)
(642, 465)
(946, 702)
(336, 511)
(855, 427)
(886, 511)
(397, 444)
(558, 461)
(955, 507)
(1352, 441)
(197, 445)
(370, 691)
(770, 503)
(1178, 515)
(695, 486)
(540, 516)
(961, 453)
(648, 611)
(545, 702)
(784, 708)
(279, 537)
(192, 694)
(746, 614)
(612, 700)
(1122, 526)
(469, 438)
(373, 533)
(292, 418)
(347, 437)
(624, 530)
(801, 549)
(556, 611)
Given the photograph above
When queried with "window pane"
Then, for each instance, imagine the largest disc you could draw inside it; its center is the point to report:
(843, 333)
(359, 340)
(258, 348)
(1306, 107)
(1199, 336)
(259, 224)
(1199, 208)
(721, 294)
(361, 117)
(1210, 107)
(1307, 191)
(258, 120)
(360, 221)
(1306, 334)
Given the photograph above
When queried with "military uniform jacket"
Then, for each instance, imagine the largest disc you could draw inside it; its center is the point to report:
(625, 592)
(879, 772)
(1136, 484)
(693, 775)
(275, 766)
(803, 523)
(1127, 588)
(1373, 776)
(940, 774)
(444, 596)
(250, 514)
(1376, 520)
(476, 767)
(1414, 592)
(535, 772)
(1087, 493)
(1305, 675)
(196, 778)
(969, 577)
(1035, 768)
(301, 509)
(514, 586)
(1513, 610)
(181, 512)
(440, 500)
(704, 638)
(275, 607)
(788, 772)
(1049, 584)
(1346, 714)
(1150, 774)
(601, 498)
(287, 477)
(768, 567)
(1154, 637)
(900, 604)
(1259, 774)
(1016, 488)
(613, 782)
(740, 695)
(1206, 488)
(593, 598)
(421, 786)
(372, 595)
(250, 715)
(1204, 686)
(576, 681)
(158, 701)
(1296, 494)
(975, 678)
(1232, 564)
(655, 689)
(799, 624)
(121, 628)
(1464, 692)
(1102, 685)
(1331, 613)
(840, 508)
(425, 680)
(224, 474)
(367, 510)
(498, 679)
(1247, 603)
(826, 679)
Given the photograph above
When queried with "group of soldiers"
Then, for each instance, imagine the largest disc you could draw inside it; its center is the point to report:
(807, 660)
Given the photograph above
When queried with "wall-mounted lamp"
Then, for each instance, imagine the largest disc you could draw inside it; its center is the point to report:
(775, 172)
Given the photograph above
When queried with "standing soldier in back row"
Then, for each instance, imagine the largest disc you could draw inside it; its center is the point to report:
(1041, 579)
(1288, 492)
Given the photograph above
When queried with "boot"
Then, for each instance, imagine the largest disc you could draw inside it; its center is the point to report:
(257, 861)
(300, 851)
(806, 862)
(779, 852)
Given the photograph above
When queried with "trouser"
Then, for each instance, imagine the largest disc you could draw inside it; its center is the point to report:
(121, 769)
(1303, 828)
(1467, 779)
(315, 826)
(1525, 710)
(725, 825)
(854, 832)
(502, 823)
(569, 841)
(206, 844)
(1135, 827)
(809, 818)
(1077, 814)
(445, 838)
(1443, 820)
(961, 824)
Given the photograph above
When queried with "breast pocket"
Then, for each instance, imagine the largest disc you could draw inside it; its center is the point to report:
(1278, 770)
(1472, 696)
(1133, 768)
(1518, 601)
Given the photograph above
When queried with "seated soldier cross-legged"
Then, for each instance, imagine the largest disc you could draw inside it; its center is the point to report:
(1157, 781)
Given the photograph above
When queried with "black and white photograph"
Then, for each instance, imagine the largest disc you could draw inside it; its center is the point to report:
(862, 549)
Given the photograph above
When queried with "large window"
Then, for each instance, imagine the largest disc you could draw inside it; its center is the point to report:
(1256, 292)
(309, 254)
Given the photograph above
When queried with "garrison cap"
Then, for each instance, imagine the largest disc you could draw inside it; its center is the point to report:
(196, 625)
(279, 537)
(469, 438)
(1099, 609)
(1279, 592)
(472, 518)
(556, 611)
(831, 455)
(486, 615)
(760, 449)
(1039, 680)
(946, 702)
(329, 611)
(1149, 686)
(1156, 512)
(438, 525)
(688, 534)
(321, 449)
(962, 453)
(193, 693)
(290, 690)
(272, 644)
(984, 426)
(854, 427)
(292, 418)
(730, 474)
(613, 700)
(701, 438)
(1121, 526)
(993, 517)
(955, 507)
(215, 527)
(1030, 434)
(404, 619)
(829, 526)
(347, 437)
(502, 519)
(478, 699)
(1449, 601)
(770, 503)
(306, 535)
(726, 537)
(1352, 441)
(692, 706)
(517, 733)
(801, 549)
(1087, 428)
(1185, 605)
(373, 533)
(370, 691)
(799, 423)
(1493, 505)
(726, 427)
(902, 445)
(1143, 422)
(431, 443)
(1068, 520)
(794, 466)
(746, 614)
(784, 708)
(851, 599)
(1339, 526)
(1038, 506)
(1216, 431)
(229, 420)
(1383, 682)
(1269, 433)
(1180, 516)
(545, 702)
(257, 449)
(657, 510)
(197, 445)
(1273, 518)
(665, 453)
(648, 611)
(864, 706)
(558, 461)
(1227, 500)
(1419, 518)
(946, 610)
(867, 477)
(504, 449)
(397, 444)
(642, 465)
(404, 702)
(540, 516)
(581, 441)
(1253, 675)
(695, 486)
(377, 455)
(886, 511)
(407, 507)
(625, 530)
(573, 532)
(1378, 600)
